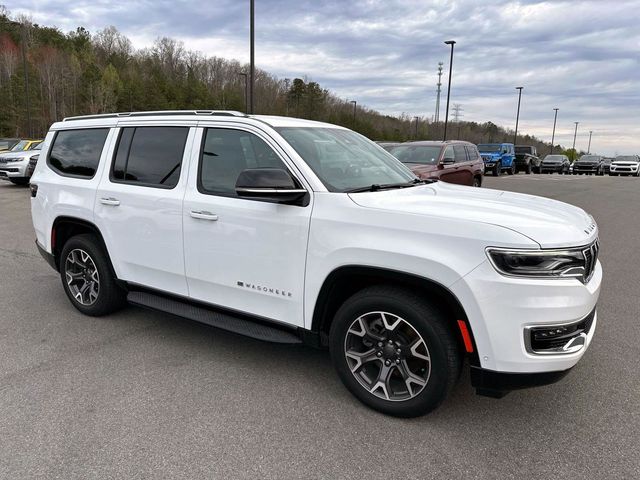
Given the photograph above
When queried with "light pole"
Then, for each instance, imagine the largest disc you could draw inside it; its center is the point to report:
(515, 136)
(355, 104)
(252, 60)
(589, 147)
(446, 116)
(574, 139)
(246, 92)
(553, 135)
(416, 119)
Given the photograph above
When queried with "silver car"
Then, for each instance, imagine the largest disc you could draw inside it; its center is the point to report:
(14, 165)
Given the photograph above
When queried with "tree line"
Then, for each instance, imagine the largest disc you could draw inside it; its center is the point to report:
(79, 73)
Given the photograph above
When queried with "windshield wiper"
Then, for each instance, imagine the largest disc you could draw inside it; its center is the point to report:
(388, 186)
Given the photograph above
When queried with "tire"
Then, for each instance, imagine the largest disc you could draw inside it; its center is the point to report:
(512, 170)
(359, 327)
(528, 169)
(477, 182)
(19, 181)
(84, 257)
(497, 169)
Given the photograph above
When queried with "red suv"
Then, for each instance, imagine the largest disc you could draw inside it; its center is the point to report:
(452, 161)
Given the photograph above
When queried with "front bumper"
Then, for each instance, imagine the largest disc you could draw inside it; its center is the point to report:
(585, 169)
(551, 168)
(502, 311)
(13, 170)
(626, 169)
(494, 384)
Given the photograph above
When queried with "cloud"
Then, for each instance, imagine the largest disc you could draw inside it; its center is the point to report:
(579, 56)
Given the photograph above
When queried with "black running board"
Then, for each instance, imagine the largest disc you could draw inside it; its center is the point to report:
(214, 318)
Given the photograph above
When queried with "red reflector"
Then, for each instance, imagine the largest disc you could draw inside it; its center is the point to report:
(466, 338)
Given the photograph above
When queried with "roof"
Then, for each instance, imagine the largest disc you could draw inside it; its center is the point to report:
(111, 119)
(436, 143)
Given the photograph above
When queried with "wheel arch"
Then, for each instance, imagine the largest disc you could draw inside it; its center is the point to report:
(64, 227)
(345, 281)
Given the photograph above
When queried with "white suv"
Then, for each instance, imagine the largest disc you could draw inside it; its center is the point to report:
(303, 232)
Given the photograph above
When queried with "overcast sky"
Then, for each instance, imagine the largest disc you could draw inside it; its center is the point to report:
(580, 56)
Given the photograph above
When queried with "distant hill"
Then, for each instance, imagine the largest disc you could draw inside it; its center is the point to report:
(78, 73)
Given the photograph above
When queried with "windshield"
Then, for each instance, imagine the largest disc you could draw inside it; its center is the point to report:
(523, 149)
(37, 147)
(7, 144)
(34, 146)
(489, 148)
(422, 154)
(626, 158)
(554, 158)
(589, 158)
(344, 160)
(18, 147)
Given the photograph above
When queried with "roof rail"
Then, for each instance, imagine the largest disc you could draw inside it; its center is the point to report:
(222, 113)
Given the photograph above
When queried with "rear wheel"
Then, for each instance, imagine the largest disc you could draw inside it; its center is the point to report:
(394, 351)
(87, 277)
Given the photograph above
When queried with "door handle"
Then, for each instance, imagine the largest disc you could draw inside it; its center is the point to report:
(204, 215)
(110, 201)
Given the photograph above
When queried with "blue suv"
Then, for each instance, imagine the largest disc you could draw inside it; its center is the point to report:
(498, 158)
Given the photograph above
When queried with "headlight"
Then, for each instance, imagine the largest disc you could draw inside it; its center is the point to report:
(570, 263)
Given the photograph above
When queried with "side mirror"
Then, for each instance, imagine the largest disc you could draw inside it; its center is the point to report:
(447, 161)
(269, 184)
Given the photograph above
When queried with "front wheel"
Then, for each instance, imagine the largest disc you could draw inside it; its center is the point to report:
(477, 182)
(394, 351)
(87, 277)
(497, 169)
(528, 169)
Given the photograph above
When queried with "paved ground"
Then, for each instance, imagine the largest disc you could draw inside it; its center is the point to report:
(144, 395)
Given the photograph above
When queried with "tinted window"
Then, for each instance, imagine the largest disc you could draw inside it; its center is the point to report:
(150, 156)
(459, 154)
(226, 153)
(448, 153)
(473, 153)
(77, 152)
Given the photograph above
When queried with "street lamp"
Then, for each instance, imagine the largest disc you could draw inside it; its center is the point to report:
(553, 135)
(355, 104)
(246, 91)
(416, 119)
(574, 138)
(446, 117)
(515, 136)
(589, 147)
(252, 60)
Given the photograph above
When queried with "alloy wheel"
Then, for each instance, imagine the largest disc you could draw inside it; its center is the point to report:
(82, 277)
(387, 356)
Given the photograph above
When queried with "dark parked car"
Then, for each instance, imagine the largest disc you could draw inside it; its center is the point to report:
(588, 164)
(388, 145)
(606, 165)
(453, 161)
(555, 163)
(527, 159)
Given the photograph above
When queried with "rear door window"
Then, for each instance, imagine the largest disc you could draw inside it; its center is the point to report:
(149, 156)
(76, 153)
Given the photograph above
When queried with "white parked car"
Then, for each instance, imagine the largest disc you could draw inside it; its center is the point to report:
(296, 231)
(14, 166)
(625, 165)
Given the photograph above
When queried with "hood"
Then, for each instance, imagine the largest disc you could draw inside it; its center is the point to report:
(17, 155)
(625, 163)
(549, 223)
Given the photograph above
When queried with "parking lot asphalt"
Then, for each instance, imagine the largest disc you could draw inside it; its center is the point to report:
(146, 395)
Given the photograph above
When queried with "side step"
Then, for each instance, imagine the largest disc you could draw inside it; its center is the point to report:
(216, 319)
